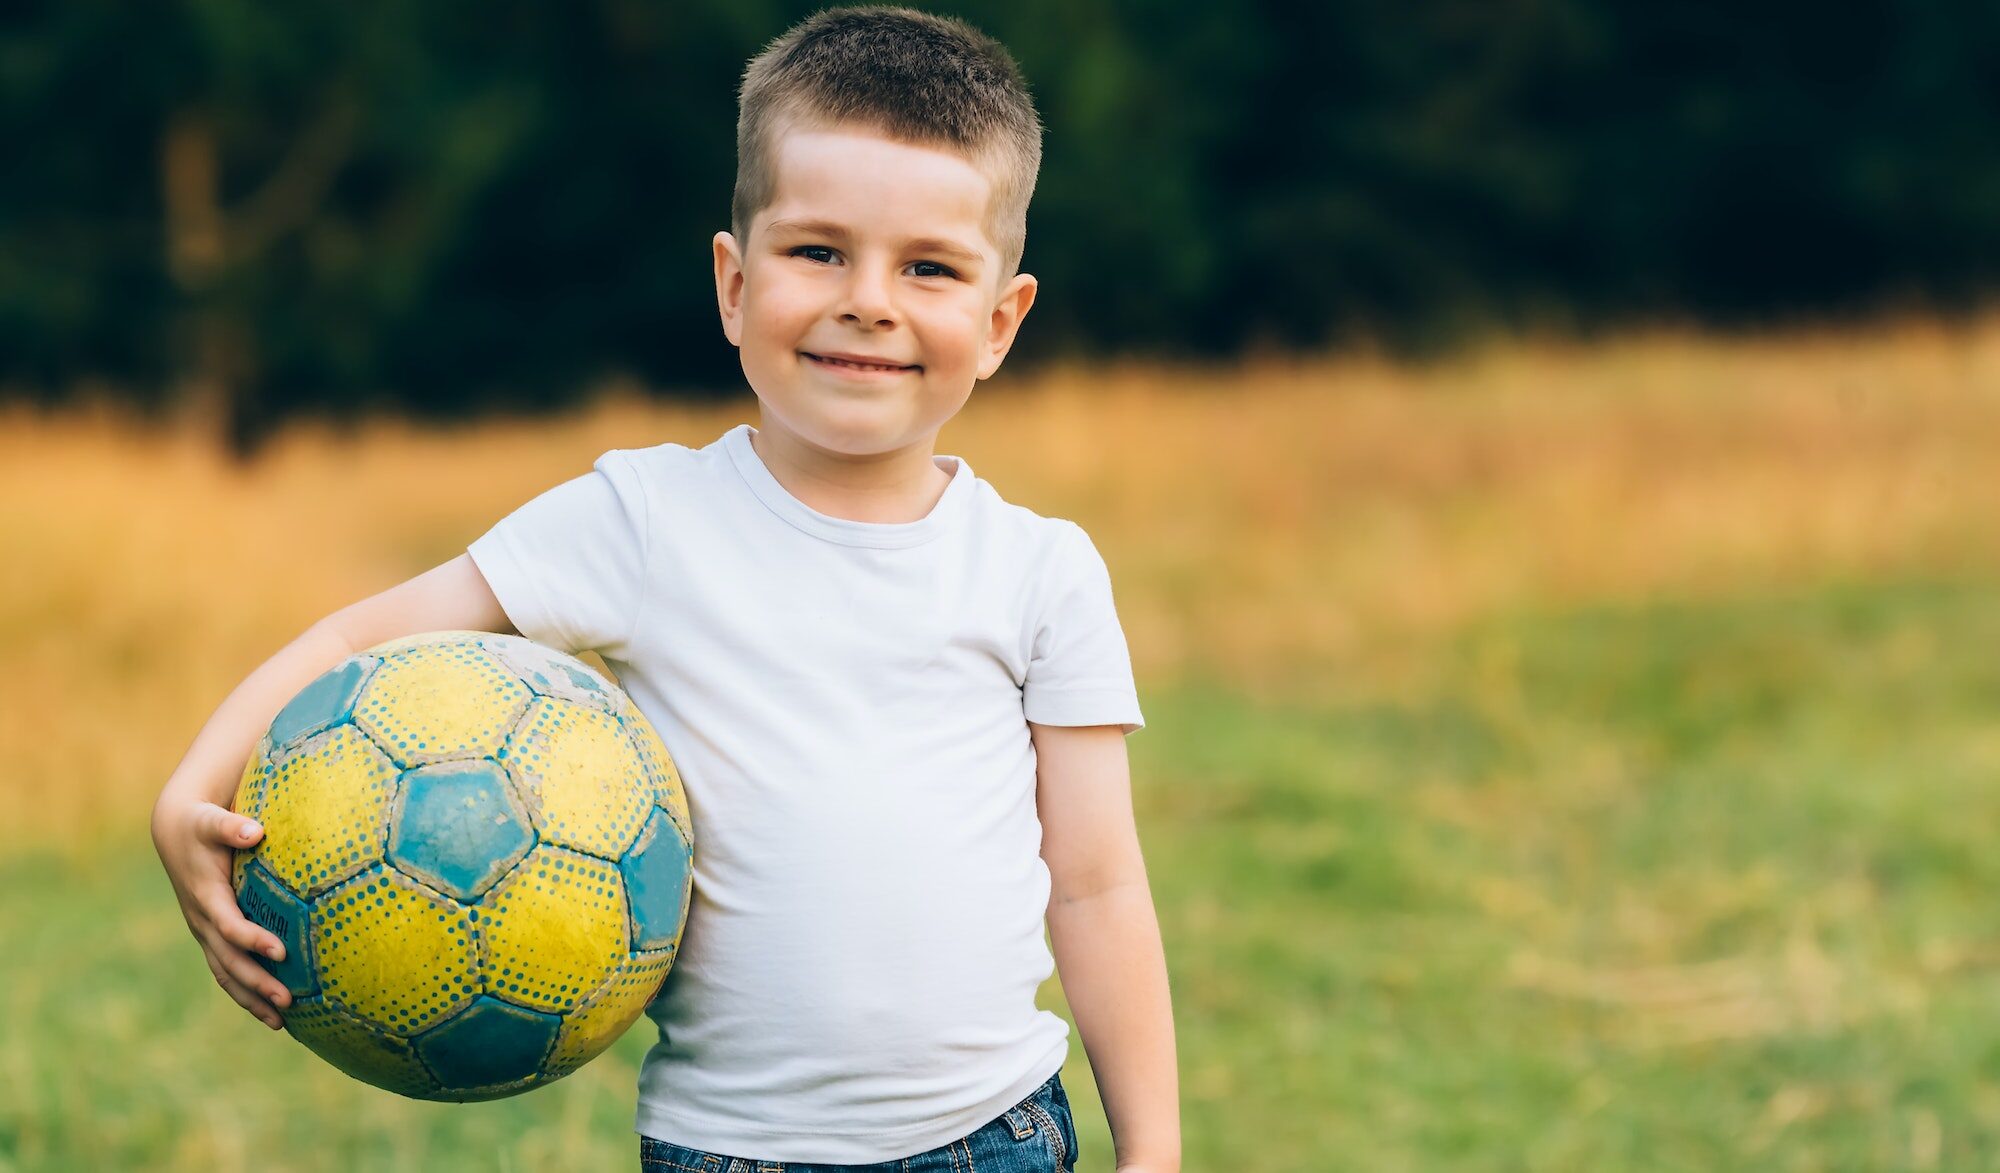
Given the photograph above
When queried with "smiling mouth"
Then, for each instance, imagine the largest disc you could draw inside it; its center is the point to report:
(854, 365)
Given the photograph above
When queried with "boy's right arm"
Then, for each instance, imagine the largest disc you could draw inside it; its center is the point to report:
(193, 829)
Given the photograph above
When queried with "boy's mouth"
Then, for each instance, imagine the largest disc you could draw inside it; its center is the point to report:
(856, 362)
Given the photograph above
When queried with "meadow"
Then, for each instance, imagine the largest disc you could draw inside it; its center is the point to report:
(1561, 757)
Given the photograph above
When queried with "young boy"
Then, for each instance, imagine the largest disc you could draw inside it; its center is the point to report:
(897, 701)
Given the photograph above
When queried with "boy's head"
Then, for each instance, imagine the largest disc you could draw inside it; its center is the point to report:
(885, 162)
(930, 81)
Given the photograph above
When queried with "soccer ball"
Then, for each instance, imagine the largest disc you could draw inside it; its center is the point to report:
(478, 855)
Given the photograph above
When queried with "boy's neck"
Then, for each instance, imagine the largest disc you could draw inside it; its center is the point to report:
(888, 489)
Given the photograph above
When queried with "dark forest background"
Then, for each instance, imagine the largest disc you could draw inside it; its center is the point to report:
(255, 210)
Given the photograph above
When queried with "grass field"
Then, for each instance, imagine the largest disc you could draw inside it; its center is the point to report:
(1558, 759)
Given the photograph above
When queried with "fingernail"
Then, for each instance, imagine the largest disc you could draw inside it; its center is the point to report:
(251, 830)
(275, 952)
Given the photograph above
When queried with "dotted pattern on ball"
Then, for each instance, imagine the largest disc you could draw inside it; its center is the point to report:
(581, 776)
(553, 930)
(358, 1049)
(398, 955)
(610, 1011)
(326, 811)
(438, 702)
(668, 792)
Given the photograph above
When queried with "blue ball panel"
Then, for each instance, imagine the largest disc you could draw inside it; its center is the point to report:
(266, 904)
(488, 1043)
(324, 703)
(656, 877)
(458, 827)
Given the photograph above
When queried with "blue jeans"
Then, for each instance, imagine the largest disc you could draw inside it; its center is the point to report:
(1036, 1135)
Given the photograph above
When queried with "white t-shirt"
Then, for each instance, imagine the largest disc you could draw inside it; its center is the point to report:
(848, 705)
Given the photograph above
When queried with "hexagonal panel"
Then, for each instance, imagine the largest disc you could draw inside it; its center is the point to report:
(326, 811)
(488, 1046)
(581, 776)
(423, 639)
(254, 782)
(552, 673)
(458, 827)
(401, 958)
(553, 929)
(668, 792)
(265, 903)
(609, 1012)
(385, 1061)
(659, 873)
(327, 701)
(436, 702)
(248, 801)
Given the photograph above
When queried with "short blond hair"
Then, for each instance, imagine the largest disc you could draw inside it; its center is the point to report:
(928, 80)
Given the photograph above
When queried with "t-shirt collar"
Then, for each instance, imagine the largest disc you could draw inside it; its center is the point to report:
(846, 532)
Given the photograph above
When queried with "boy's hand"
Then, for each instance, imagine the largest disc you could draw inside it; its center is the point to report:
(195, 841)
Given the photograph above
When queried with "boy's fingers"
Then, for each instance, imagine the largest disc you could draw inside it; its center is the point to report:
(243, 969)
(228, 828)
(228, 921)
(257, 1007)
(246, 936)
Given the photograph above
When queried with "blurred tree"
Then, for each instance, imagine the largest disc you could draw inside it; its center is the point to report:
(241, 212)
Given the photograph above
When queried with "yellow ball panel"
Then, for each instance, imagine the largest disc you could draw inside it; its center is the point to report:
(612, 1009)
(396, 954)
(424, 639)
(249, 801)
(668, 791)
(435, 702)
(554, 929)
(366, 1054)
(326, 811)
(581, 776)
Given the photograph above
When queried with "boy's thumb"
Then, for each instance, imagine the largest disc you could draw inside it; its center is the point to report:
(229, 827)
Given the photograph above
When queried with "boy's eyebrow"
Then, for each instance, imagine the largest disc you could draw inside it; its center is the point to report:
(926, 244)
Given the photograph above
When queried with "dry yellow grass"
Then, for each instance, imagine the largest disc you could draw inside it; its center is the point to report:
(1280, 524)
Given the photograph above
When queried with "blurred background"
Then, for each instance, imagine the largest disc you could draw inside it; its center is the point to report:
(1546, 455)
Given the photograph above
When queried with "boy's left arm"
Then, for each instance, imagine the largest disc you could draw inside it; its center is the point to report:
(1106, 938)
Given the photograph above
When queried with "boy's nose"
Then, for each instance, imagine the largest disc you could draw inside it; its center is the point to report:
(866, 300)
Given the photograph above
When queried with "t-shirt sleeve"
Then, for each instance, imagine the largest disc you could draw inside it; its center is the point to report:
(569, 567)
(1079, 668)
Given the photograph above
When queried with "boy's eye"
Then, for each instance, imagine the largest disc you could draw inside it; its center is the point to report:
(936, 270)
(814, 252)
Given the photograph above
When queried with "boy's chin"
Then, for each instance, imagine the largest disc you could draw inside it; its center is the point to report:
(853, 435)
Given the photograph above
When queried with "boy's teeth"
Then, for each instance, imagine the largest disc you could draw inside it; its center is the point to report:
(866, 366)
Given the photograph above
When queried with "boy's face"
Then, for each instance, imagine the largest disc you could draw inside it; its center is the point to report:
(867, 300)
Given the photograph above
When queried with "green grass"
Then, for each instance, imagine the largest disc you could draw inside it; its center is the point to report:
(1691, 886)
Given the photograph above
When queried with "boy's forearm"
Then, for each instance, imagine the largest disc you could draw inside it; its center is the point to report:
(1114, 974)
(213, 764)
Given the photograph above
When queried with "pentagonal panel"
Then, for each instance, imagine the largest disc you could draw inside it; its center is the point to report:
(489, 1045)
(399, 957)
(606, 1015)
(358, 1049)
(435, 702)
(458, 827)
(666, 780)
(658, 876)
(551, 673)
(581, 775)
(322, 704)
(553, 929)
(326, 811)
(265, 903)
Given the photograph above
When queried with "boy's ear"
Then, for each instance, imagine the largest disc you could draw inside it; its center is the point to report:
(729, 287)
(1005, 321)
